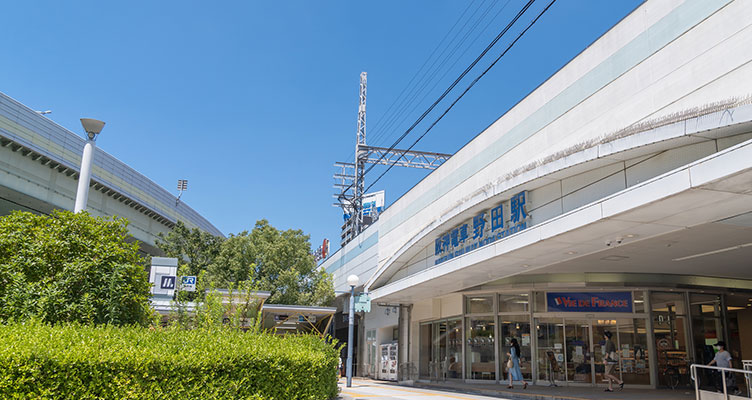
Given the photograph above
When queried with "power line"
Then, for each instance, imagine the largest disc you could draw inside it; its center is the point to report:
(456, 81)
(384, 116)
(431, 72)
(452, 66)
(465, 91)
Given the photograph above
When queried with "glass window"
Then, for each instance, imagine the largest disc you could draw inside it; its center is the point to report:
(539, 299)
(633, 357)
(480, 358)
(639, 301)
(514, 302)
(479, 304)
(454, 349)
(707, 324)
(426, 349)
(515, 327)
(578, 354)
(739, 311)
(670, 334)
(550, 334)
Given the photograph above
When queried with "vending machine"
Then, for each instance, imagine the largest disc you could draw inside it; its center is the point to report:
(383, 370)
(393, 362)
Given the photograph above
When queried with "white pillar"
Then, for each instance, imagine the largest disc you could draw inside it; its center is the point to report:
(350, 341)
(82, 194)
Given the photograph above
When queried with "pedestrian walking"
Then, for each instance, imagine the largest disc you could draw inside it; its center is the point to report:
(513, 365)
(610, 361)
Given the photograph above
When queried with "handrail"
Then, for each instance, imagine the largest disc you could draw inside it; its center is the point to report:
(746, 372)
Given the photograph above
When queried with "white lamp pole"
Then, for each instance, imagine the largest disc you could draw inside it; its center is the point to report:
(353, 281)
(92, 128)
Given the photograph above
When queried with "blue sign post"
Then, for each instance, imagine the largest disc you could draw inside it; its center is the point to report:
(589, 302)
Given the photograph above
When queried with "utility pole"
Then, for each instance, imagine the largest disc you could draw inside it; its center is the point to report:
(350, 177)
(361, 155)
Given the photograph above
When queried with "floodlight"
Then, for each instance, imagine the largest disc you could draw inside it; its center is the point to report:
(92, 127)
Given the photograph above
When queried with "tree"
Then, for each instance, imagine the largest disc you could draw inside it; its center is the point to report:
(194, 248)
(276, 261)
(69, 267)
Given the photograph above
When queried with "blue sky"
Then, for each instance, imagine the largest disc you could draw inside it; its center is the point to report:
(253, 102)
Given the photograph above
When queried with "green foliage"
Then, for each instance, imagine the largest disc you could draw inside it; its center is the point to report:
(195, 250)
(276, 261)
(39, 361)
(69, 267)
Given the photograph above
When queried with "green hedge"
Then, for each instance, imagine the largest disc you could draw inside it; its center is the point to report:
(39, 361)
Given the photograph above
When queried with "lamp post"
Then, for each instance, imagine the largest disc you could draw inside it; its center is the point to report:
(92, 128)
(353, 281)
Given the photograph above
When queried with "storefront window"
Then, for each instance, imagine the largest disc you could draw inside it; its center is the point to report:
(639, 301)
(550, 335)
(633, 349)
(479, 304)
(425, 351)
(539, 301)
(454, 349)
(600, 327)
(739, 314)
(578, 351)
(480, 355)
(707, 324)
(515, 327)
(515, 302)
(670, 334)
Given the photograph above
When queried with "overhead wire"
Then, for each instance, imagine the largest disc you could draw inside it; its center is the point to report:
(452, 86)
(437, 81)
(463, 93)
(436, 66)
(386, 114)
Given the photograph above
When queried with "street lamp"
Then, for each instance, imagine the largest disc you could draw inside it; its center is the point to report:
(92, 128)
(353, 281)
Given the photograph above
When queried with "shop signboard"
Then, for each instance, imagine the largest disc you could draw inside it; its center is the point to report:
(589, 302)
(505, 219)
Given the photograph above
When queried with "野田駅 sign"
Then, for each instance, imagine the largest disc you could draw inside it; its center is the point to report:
(589, 302)
(507, 218)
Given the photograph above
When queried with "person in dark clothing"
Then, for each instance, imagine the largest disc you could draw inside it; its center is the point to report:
(610, 360)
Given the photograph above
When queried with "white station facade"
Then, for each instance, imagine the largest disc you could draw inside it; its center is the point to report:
(615, 197)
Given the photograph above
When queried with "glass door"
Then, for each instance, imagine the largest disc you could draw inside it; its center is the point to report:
(550, 339)
(440, 350)
(669, 329)
(600, 327)
(454, 349)
(515, 327)
(579, 365)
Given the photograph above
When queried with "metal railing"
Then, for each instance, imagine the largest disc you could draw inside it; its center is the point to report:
(727, 382)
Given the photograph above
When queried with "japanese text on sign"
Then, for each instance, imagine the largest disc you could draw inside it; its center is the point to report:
(484, 228)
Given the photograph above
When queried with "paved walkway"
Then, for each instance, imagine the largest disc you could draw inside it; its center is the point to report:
(366, 389)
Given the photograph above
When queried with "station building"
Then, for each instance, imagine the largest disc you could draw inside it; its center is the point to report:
(615, 197)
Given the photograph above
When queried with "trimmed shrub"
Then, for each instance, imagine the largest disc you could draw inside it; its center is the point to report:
(39, 361)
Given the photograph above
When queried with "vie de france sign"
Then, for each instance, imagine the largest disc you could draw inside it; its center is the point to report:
(507, 218)
(589, 302)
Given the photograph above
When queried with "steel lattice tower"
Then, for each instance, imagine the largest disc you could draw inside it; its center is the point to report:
(350, 178)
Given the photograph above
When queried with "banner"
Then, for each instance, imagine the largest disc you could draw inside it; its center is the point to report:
(589, 302)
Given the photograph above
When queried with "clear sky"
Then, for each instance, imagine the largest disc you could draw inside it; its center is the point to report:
(253, 102)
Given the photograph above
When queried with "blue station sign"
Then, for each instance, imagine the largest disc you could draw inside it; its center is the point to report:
(484, 228)
(589, 302)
